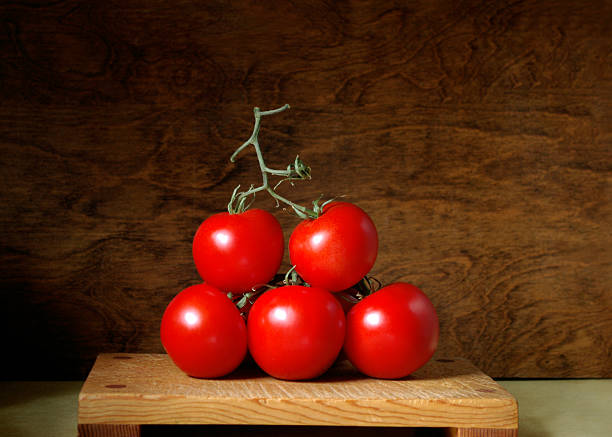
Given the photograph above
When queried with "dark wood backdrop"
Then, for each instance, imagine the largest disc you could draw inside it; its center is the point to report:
(477, 134)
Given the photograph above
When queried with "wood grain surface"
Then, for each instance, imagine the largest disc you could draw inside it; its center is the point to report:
(477, 135)
(150, 389)
(85, 430)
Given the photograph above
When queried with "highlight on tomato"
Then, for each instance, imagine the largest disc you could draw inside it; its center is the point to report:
(295, 332)
(392, 332)
(335, 250)
(203, 332)
(236, 252)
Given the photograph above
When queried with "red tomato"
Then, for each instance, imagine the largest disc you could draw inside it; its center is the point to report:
(335, 250)
(236, 252)
(295, 332)
(203, 332)
(392, 332)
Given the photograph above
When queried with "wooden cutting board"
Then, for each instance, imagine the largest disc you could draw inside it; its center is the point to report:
(125, 391)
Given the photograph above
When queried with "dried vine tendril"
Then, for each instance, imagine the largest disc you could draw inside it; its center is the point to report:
(367, 286)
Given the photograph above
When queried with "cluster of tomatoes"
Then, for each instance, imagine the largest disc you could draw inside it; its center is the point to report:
(295, 331)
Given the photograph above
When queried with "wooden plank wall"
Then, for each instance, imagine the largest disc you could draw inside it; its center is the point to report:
(477, 134)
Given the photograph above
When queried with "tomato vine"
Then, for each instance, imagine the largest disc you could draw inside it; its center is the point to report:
(298, 170)
(242, 200)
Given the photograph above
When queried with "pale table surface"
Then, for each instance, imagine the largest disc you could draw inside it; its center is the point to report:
(546, 408)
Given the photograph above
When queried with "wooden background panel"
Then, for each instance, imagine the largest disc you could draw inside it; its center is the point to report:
(476, 134)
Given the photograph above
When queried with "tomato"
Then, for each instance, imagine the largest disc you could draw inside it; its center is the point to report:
(295, 332)
(335, 250)
(203, 332)
(392, 332)
(236, 252)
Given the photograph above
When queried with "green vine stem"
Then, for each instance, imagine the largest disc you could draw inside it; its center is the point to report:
(298, 170)
(244, 301)
(292, 278)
